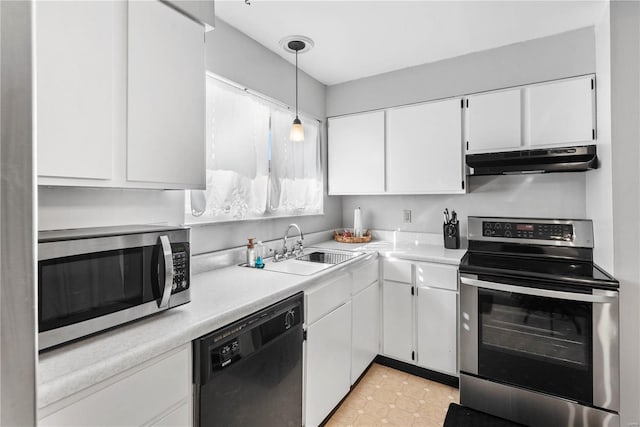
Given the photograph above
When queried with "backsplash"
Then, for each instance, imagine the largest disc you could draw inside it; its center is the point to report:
(219, 259)
(555, 195)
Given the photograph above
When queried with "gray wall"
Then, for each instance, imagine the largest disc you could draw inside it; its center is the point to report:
(236, 57)
(625, 134)
(556, 195)
(18, 353)
(548, 58)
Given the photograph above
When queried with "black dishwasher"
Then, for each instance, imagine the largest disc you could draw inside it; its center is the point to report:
(249, 373)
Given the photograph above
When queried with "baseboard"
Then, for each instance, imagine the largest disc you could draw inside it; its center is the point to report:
(449, 380)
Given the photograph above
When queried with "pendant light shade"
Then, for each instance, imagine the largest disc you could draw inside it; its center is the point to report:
(297, 131)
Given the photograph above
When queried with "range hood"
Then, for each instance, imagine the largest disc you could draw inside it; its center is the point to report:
(564, 159)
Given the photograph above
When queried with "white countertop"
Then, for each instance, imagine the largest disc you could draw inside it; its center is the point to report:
(218, 298)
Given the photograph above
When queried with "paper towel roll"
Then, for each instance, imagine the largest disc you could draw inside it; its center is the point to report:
(357, 223)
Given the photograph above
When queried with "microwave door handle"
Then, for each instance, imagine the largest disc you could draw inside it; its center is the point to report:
(168, 272)
(606, 297)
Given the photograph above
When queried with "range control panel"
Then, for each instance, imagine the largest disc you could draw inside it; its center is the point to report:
(180, 267)
(523, 230)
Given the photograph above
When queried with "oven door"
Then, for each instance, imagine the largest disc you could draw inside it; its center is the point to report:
(556, 342)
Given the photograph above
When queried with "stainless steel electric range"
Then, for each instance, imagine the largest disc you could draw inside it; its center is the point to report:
(539, 324)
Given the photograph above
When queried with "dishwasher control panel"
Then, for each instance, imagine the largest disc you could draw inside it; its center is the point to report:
(226, 353)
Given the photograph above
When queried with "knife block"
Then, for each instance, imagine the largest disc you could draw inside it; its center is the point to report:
(451, 233)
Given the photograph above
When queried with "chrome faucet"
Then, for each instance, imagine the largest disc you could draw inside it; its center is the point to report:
(298, 248)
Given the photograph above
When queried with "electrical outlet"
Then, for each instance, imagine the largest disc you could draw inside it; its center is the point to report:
(406, 215)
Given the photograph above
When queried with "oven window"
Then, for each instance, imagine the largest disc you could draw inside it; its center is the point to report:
(538, 343)
(77, 288)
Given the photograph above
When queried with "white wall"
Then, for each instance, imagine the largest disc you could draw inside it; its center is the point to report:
(61, 207)
(599, 199)
(625, 137)
(518, 196)
(554, 195)
(234, 56)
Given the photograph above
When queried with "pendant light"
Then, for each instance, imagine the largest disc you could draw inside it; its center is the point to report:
(297, 131)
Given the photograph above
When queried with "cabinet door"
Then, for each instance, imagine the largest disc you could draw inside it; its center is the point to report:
(364, 329)
(138, 397)
(328, 355)
(424, 153)
(356, 154)
(166, 97)
(437, 330)
(562, 112)
(397, 320)
(181, 416)
(77, 80)
(494, 121)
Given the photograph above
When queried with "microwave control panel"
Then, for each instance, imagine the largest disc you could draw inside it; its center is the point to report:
(537, 231)
(180, 267)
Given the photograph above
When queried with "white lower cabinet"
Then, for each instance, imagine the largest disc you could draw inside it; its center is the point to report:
(365, 330)
(419, 313)
(436, 329)
(328, 358)
(181, 416)
(159, 392)
(397, 315)
(342, 316)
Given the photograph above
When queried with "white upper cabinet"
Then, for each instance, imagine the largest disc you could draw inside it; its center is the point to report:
(356, 154)
(77, 81)
(166, 97)
(558, 113)
(119, 95)
(494, 121)
(562, 112)
(424, 148)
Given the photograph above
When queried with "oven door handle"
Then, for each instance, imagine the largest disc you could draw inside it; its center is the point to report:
(606, 297)
(168, 272)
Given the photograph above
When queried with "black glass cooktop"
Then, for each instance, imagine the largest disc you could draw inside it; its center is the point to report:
(561, 271)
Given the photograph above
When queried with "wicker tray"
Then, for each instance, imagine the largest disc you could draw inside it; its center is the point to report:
(339, 237)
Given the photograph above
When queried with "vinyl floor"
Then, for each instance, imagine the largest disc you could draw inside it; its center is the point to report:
(388, 397)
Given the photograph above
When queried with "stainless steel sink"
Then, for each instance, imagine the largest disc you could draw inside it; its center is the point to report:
(312, 261)
(327, 257)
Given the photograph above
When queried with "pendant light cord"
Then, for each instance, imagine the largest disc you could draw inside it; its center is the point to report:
(296, 84)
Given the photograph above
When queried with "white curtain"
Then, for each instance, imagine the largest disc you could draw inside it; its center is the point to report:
(296, 173)
(253, 170)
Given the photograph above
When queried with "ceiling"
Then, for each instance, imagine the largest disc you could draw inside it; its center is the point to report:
(355, 39)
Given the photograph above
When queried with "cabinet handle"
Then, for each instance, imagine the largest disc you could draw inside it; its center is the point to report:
(413, 355)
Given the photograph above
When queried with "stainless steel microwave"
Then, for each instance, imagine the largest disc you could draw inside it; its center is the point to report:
(93, 279)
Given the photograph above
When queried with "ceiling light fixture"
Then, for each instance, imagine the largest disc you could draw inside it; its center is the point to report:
(297, 131)
(297, 44)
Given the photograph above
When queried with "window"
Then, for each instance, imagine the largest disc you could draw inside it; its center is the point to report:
(253, 169)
